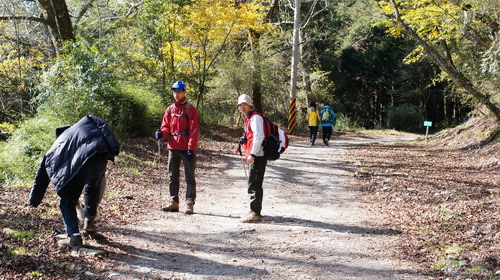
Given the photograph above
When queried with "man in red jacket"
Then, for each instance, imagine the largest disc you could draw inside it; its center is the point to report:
(180, 125)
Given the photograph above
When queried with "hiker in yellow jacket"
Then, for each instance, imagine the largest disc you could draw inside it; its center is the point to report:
(312, 118)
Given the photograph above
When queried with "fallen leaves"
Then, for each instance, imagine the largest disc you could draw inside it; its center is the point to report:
(445, 199)
(135, 186)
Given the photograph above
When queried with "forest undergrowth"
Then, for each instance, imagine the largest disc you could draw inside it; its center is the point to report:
(442, 194)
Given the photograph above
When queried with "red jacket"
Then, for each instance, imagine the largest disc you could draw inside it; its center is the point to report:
(181, 126)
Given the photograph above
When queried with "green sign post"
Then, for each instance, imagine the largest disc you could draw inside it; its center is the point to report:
(427, 124)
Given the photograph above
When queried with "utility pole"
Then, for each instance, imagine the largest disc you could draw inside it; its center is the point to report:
(292, 112)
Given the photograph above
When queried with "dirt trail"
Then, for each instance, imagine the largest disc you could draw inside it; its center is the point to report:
(313, 227)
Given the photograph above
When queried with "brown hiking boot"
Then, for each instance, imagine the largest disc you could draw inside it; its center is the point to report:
(189, 207)
(251, 218)
(89, 225)
(74, 242)
(172, 207)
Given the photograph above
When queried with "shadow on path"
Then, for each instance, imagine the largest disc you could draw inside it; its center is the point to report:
(287, 221)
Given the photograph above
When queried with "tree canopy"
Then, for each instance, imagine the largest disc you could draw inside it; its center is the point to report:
(63, 59)
(461, 38)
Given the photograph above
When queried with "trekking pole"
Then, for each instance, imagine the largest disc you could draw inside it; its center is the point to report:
(159, 171)
(47, 241)
(242, 161)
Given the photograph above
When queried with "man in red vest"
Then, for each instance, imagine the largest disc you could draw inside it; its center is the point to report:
(251, 141)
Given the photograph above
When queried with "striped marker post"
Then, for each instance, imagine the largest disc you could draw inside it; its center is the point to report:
(292, 116)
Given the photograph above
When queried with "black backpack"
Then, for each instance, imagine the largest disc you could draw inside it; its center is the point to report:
(272, 143)
(275, 140)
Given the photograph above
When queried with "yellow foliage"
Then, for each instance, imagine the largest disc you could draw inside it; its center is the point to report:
(16, 67)
(6, 128)
(432, 19)
(415, 55)
(438, 21)
(206, 27)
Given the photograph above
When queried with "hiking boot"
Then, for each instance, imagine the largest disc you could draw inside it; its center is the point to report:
(251, 218)
(89, 225)
(189, 207)
(325, 141)
(172, 207)
(74, 242)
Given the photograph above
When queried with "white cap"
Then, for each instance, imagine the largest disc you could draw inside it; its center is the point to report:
(245, 99)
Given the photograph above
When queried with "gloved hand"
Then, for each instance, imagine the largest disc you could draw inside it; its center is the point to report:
(237, 149)
(189, 155)
(158, 134)
(243, 140)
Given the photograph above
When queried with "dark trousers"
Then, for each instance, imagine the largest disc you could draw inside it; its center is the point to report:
(255, 180)
(174, 164)
(327, 132)
(88, 179)
(313, 131)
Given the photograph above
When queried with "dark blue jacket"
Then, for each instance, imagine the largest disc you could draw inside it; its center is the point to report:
(88, 137)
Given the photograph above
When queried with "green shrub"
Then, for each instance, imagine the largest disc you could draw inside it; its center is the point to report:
(20, 154)
(344, 122)
(148, 111)
(79, 83)
(82, 82)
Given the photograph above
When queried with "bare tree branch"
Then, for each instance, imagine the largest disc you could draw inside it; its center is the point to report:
(37, 19)
(83, 10)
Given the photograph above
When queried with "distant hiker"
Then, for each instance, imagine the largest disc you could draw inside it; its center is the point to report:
(328, 120)
(180, 125)
(76, 162)
(312, 118)
(251, 141)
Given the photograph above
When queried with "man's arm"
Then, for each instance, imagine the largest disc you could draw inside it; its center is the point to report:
(165, 124)
(257, 126)
(193, 128)
(39, 186)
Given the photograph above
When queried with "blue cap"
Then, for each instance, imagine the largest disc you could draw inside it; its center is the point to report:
(179, 85)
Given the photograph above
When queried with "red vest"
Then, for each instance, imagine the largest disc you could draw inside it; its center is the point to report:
(249, 133)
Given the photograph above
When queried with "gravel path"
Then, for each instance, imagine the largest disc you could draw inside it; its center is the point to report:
(313, 227)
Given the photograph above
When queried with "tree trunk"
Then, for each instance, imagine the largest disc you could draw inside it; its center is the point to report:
(454, 73)
(58, 19)
(256, 78)
(306, 76)
(253, 39)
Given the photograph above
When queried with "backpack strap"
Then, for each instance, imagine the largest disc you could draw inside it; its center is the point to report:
(179, 115)
(180, 133)
(185, 132)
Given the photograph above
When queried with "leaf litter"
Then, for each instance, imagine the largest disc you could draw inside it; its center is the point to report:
(442, 194)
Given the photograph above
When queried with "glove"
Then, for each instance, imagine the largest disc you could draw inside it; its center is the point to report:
(243, 140)
(189, 155)
(158, 134)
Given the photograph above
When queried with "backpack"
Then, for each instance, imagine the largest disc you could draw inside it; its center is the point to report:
(275, 140)
(326, 117)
